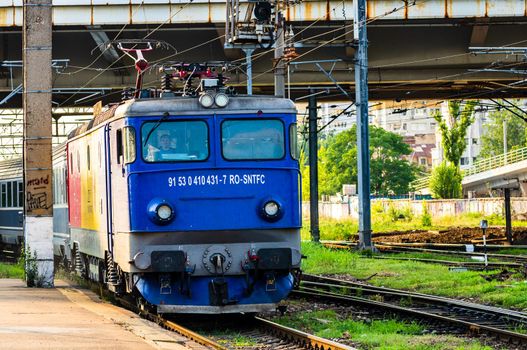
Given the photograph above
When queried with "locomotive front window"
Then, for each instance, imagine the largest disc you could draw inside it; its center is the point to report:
(175, 141)
(252, 139)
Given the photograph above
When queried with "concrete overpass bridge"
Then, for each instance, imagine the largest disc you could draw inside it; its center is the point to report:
(507, 170)
(504, 171)
(417, 50)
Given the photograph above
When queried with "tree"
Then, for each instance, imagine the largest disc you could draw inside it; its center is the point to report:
(389, 173)
(492, 139)
(445, 181)
(454, 129)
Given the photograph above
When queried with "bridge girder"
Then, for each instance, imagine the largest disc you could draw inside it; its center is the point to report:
(143, 12)
(416, 52)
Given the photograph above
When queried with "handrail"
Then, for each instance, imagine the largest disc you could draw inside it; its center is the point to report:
(421, 183)
(500, 160)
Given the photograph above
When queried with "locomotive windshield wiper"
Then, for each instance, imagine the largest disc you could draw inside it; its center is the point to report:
(162, 119)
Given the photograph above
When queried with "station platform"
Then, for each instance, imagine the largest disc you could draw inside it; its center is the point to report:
(66, 317)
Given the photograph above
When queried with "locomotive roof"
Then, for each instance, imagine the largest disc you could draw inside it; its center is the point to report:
(244, 104)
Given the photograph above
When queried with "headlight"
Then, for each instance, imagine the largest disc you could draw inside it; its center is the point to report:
(164, 212)
(160, 212)
(271, 210)
(221, 100)
(206, 100)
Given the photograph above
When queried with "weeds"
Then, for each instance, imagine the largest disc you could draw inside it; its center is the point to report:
(28, 261)
(426, 218)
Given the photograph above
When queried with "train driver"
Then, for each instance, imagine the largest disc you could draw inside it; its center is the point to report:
(168, 149)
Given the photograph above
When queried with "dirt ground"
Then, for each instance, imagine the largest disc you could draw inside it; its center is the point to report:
(465, 235)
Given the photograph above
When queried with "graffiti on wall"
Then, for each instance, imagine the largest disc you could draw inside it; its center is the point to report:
(38, 195)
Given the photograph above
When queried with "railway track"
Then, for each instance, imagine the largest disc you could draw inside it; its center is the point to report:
(470, 318)
(456, 246)
(503, 260)
(9, 256)
(471, 265)
(435, 246)
(261, 333)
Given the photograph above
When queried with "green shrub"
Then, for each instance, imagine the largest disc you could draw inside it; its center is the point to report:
(406, 213)
(426, 218)
(393, 213)
(377, 208)
(445, 181)
(400, 214)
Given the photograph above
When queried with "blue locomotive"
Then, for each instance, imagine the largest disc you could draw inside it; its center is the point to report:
(194, 208)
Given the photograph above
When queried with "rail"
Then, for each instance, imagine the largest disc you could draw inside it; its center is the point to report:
(480, 166)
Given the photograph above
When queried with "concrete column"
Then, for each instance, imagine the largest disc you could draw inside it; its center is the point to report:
(38, 206)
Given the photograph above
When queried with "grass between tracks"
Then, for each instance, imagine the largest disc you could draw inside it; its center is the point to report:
(494, 287)
(11, 270)
(375, 334)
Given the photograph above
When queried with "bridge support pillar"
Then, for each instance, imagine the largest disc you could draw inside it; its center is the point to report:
(523, 188)
(38, 206)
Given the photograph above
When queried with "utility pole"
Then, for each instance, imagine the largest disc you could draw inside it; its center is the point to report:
(313, 167)
(508, 220)
(361, 99)
(38, 206)
(279, 70)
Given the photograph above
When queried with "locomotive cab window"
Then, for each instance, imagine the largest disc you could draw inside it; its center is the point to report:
(127, 148)
(293, 141)
(253, 139)
(125, 141)
(175, 141)
(119, 145)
